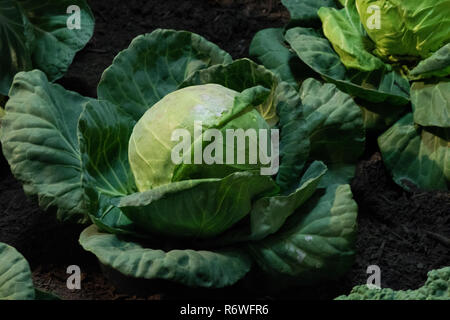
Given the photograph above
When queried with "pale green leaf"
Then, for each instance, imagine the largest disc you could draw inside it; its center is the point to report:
(413, 28)
(345, 32)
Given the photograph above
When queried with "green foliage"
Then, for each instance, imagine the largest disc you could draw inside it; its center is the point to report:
(376, 51)
(15, 275)
(417, 155)
(201, 225)
(415, 28)
(16, 282)
(34, 34)
(437, 287)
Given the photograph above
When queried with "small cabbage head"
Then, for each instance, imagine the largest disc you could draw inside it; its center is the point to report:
(166, 126)
(412, 28)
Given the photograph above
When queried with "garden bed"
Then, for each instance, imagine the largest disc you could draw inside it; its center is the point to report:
(399, 231)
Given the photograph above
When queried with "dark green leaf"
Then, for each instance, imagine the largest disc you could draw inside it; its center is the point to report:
(349, 39)
(431, 103)
(270, 213)
(334, 120)
(315, 243)
(16, 282)
(154, 65)
(377, 86)
(39, 139)
(56, 44)
(304, 12)
(416, 155)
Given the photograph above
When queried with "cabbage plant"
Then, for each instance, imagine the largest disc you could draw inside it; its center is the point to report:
(110, 161)
(437, 287)
(393, 58)
(34, 34)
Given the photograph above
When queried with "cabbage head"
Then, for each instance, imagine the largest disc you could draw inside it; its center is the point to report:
(408, 28)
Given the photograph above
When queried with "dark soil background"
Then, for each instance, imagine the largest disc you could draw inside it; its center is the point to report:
(404, 233)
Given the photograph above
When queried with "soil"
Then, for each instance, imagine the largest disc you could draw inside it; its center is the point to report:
(401, 232)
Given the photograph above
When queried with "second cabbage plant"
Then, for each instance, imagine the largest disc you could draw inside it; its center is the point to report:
(393, 58)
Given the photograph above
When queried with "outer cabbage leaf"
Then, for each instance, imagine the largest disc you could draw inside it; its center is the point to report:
(334, 120)
(200, 208)
(378, 117)
(16, 282)
(106, 215)
(16, 38)
(335, 129)
(39, 140)
(104, 132)
(417, 155)
(377, 86)
(314, 243)
(191, 268)
(243, 115)
(56, 44)
(304, 12)
(431, 103)
(269, 213)
(344, 30)
(154, 65)
(438, 65)
(407, 28)
(268, 48)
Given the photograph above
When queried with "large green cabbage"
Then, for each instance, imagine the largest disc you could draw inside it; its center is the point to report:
(108, 160)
